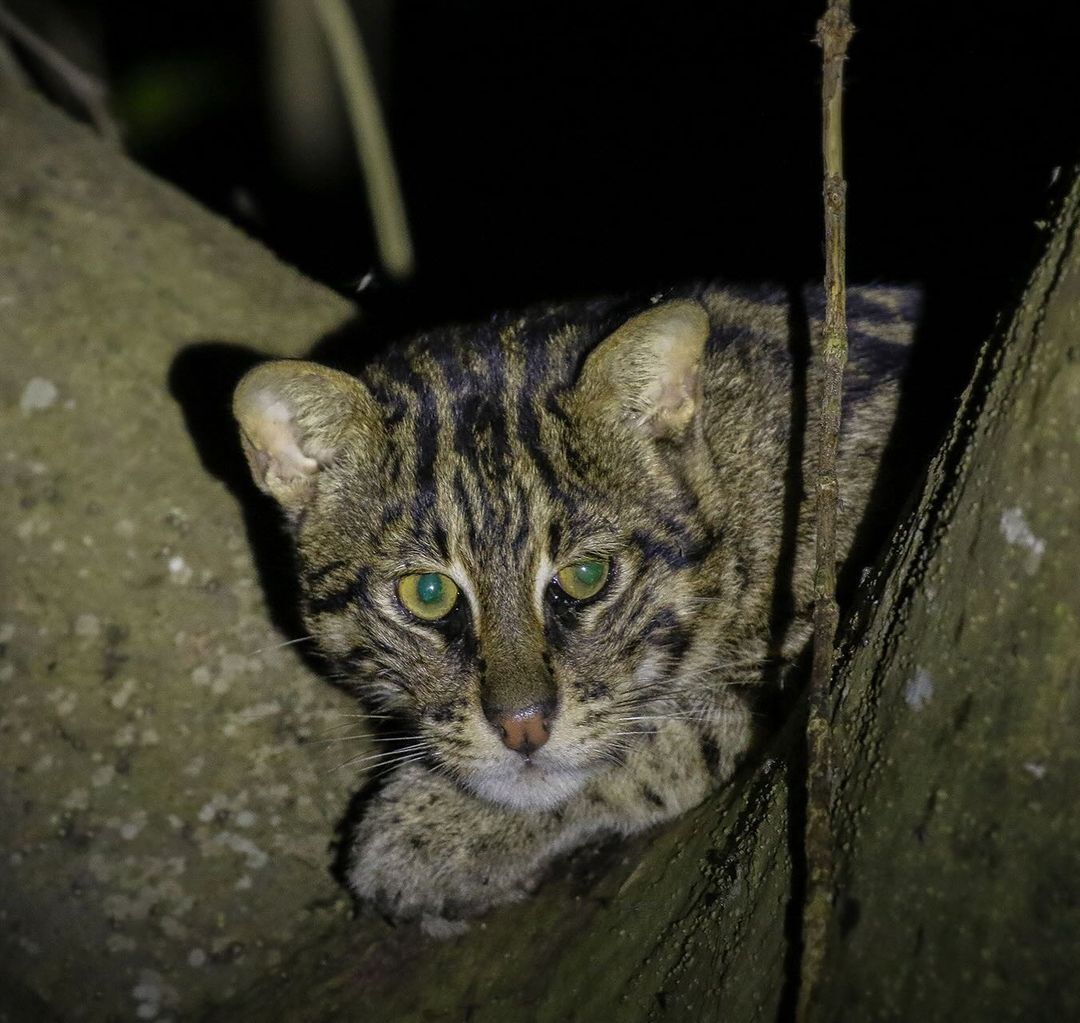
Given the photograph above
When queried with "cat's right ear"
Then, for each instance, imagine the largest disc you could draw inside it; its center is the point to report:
(295, 419)
(647, 373)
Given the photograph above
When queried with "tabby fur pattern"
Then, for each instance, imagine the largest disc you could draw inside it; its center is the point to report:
(497, 454)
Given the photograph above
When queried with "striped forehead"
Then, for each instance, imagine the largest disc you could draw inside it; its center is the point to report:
(476, 439)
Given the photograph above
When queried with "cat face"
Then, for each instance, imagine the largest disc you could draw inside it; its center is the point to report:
(501, 546)
(561, 612)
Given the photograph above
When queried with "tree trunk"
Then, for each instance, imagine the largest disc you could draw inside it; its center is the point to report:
(165, 834)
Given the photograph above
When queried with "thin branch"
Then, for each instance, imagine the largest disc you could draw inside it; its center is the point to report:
(834, 34)
(370, 137)
(83, 87)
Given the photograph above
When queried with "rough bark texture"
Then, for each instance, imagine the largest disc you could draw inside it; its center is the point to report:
(957, 786)
(147, 753)
(165, 836)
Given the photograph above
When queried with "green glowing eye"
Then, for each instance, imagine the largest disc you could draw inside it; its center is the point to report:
(429, 596)
(583, 579)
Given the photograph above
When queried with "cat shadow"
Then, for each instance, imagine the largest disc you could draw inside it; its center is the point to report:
(202, 378)
(783, 600)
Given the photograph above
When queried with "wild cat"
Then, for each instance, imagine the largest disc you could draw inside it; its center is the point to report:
(551, 545)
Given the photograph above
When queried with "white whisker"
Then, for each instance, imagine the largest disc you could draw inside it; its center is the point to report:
(363, 735)
(385, 755)
(367, 717)
(279, 646)
(386, 768)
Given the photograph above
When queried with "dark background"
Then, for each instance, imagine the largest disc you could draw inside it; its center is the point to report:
(557, 150)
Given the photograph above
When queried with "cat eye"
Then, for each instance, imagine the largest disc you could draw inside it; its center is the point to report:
(583, 579)
(428, 595)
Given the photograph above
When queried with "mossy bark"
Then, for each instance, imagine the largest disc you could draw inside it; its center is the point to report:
(165, 836)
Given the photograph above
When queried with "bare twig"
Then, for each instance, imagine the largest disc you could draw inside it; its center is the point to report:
(84, 88)
(370, 137)
(834, 34)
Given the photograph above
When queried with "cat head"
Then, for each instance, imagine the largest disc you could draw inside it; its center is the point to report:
(500, 537)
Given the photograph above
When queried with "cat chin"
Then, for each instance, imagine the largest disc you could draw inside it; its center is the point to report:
(531, 788)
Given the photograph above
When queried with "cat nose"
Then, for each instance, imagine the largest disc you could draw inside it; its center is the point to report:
(524, 731)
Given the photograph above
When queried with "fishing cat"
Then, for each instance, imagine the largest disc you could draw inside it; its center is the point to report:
(552, 543)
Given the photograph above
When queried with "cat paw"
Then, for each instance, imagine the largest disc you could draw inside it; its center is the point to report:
(424, 850)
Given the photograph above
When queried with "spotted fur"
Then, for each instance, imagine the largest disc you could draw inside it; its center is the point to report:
(496, 454)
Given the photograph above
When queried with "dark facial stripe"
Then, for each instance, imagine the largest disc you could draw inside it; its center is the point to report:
(386, 389)
(522, 536)
(428, 428)
(441, 541)
(619, 615)
(650, 795)
(555, 534)
(710, 753)
(553, 407)
(529, 435)
(667, 633)
(338, 600)
(473, 515)
(475, 391)
(531, 396)
(479, 434)
(314, 576)
(392, 512)
(672, 554)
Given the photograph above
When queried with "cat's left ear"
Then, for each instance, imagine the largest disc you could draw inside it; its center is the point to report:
(648, 372)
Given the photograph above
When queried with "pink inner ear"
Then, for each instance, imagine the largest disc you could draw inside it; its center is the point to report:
(672, 403)
(276, 439)
(648, 369)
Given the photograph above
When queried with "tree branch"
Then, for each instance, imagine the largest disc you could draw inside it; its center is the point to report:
(834, 34)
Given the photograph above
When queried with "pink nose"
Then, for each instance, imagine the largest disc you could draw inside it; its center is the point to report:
(523, 731)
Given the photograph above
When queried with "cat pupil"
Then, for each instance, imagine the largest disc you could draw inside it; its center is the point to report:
(588, 572)
(429, 588)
